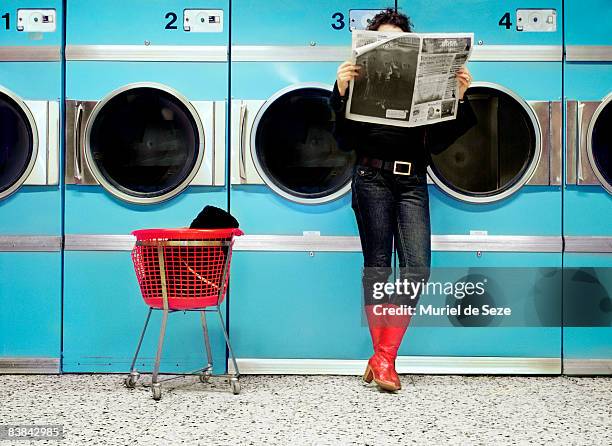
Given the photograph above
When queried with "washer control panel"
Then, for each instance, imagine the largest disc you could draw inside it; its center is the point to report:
(361, 18)
(203, 20)
(536, 20)
(36, 20)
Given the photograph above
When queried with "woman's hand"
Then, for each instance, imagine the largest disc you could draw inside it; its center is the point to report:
(465, 79)
(346, 73)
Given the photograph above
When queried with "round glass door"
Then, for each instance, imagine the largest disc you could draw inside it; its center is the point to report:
(144, 143)
(599, 148)
(18, 143)
(497, 156)
(294, 149)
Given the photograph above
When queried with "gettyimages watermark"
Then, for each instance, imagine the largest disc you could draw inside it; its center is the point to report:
(465, 297)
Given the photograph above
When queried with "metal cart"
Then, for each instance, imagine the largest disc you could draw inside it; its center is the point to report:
(183, 270)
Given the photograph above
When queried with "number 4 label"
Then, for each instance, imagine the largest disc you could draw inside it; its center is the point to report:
(505, 21)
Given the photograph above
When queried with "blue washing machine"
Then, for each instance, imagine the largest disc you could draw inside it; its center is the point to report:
(146, 88)
(495, 194)
(295, 293)
(587, 211)
(30, 193)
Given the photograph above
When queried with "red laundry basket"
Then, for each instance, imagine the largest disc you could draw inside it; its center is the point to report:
(180, 269)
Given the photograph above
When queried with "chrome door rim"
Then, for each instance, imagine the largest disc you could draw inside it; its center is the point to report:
(590, 155)
(261, 171)
(32, 122)
(528, 172)
(102, 179)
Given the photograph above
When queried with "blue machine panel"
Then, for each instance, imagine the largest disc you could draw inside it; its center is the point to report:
(30, 282)
(587, 22)
(587, 210)
(587, 332)
(104, 314)
(293, 305)
(30, 295)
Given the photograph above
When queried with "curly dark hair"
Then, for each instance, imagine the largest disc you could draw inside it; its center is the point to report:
(392, 17)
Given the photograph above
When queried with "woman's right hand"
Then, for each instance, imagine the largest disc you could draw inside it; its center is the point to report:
(346, 73)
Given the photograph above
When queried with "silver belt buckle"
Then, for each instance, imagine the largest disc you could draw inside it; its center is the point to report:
(402, 163)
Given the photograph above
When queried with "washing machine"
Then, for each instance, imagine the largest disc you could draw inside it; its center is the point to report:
(495, 197)
(295, 290)
(30, 193)
(146, 89)
(587, 210)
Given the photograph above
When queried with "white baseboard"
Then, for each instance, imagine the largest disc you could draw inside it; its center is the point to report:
(29, 365)
(446, 365)
(586, 367)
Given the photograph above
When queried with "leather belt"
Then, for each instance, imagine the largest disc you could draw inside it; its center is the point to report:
(397, 167)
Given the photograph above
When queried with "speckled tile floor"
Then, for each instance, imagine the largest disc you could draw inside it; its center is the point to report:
(315, 410)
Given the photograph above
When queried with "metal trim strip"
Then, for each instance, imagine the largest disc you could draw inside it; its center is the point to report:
(30, 243)
(588, 53)
(98, 242)
(571, 138)
(30, 53)
(517, 53)
(329, 53)
(301, 243)
(470, 243)
(147, 53)
(497, 243)
(29, 365)
(404, 364)
(581, 367)
(589, 244)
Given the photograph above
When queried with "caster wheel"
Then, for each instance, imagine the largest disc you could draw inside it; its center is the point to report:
(235, 386)
(205, 376)
(131, 379)
(156, 391)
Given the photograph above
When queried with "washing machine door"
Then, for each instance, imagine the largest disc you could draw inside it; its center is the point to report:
(18, 142)
(144, 143)
(497, 156)
(599, 143)
(294, 149)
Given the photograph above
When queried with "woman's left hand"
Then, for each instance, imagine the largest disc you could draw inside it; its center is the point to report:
(465, 79)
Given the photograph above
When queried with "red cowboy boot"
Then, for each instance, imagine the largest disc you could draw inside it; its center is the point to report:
(381, 366)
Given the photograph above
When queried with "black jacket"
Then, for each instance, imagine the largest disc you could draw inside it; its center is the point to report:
(392, 143)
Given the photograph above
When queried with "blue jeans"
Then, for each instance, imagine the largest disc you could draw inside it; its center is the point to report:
(392, 207)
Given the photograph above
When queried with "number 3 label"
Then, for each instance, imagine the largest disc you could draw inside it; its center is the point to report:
(339, 23)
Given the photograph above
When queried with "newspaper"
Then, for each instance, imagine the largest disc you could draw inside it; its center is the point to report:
(406, 79)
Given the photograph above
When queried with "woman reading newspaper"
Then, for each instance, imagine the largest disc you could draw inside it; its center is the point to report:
(390, 200)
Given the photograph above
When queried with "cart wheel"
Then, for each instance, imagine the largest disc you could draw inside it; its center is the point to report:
(156, 390)
(205, 376)
(131, 379)
(235, 385)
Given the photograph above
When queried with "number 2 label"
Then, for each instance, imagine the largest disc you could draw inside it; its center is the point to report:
(173, 17)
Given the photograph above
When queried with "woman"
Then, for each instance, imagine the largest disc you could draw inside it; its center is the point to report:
(391, 202)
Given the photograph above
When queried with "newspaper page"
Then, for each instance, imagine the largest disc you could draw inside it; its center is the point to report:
(406, 79)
